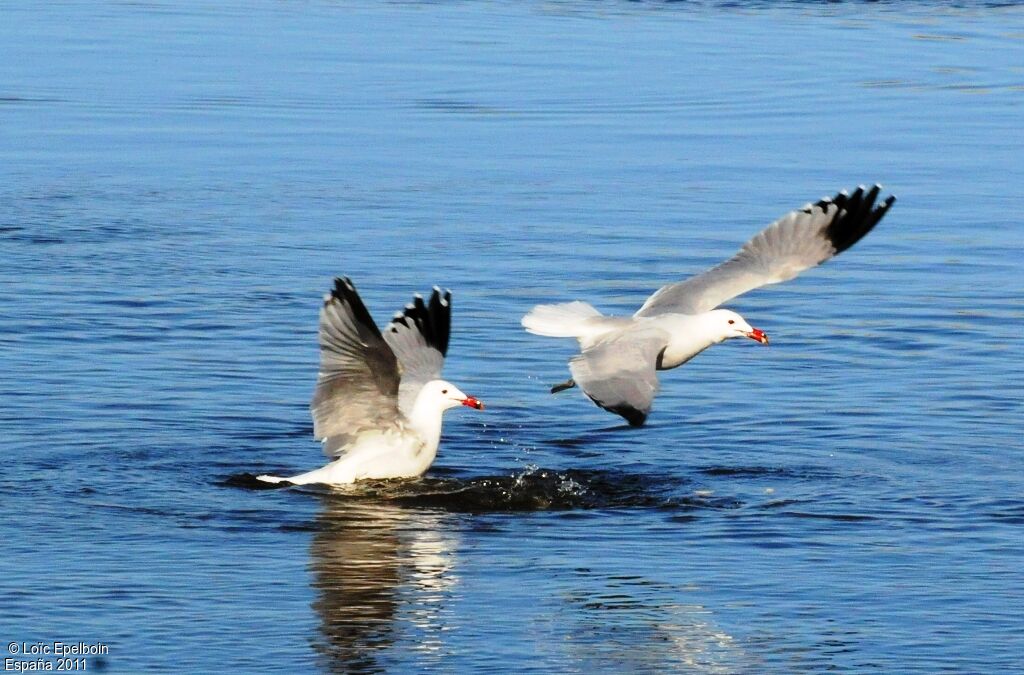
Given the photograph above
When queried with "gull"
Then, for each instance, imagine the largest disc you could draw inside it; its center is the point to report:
(378, 401)
(620, 356)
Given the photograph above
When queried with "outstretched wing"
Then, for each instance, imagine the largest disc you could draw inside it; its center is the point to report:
(619, 373)
(798, 241)
(357, 387)
(419, 338)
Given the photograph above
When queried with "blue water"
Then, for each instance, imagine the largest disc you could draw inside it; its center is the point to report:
(179, 183)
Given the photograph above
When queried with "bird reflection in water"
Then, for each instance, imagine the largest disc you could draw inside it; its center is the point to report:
(382, 574)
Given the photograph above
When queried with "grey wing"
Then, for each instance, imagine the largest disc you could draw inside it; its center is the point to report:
(357, 387)
(801, 239)
(619, 373)
(419, 338)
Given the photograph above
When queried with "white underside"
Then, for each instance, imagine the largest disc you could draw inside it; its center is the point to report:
(687, 335)
(373, 455)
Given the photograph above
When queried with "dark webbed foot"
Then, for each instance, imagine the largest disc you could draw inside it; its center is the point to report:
(568, 384)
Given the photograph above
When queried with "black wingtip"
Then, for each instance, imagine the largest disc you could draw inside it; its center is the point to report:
(432, 318)
(856, 215)
(345, 292)
(440, 313)
(343, 289)
(636, 418)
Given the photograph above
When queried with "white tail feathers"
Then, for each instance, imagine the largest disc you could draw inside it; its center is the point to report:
(563, 320)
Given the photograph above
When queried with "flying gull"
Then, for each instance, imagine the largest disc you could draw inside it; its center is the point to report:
(620, 356)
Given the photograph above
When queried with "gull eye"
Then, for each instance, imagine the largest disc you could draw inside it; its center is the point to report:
(444, 391)
(731, 322)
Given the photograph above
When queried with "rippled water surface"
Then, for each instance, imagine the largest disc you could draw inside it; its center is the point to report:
(179, 182)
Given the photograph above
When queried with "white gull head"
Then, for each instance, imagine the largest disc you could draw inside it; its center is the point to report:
(441, 395)
(725, 324)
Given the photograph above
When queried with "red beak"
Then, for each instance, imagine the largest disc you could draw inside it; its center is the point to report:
(758, 334)
(471, 402)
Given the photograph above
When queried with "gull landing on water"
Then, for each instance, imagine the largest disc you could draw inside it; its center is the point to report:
(378, 401)
(620, 356)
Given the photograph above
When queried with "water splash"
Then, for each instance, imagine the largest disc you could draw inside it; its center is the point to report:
(534, 489)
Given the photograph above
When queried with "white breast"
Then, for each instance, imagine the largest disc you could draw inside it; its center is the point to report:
(389, 454)
(690, 336)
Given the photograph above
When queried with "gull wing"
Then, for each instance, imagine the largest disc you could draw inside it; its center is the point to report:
(798, 241)
(357, 386)
(619, 374)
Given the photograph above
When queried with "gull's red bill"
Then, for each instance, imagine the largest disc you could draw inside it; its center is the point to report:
(471, 402)
(758, 334)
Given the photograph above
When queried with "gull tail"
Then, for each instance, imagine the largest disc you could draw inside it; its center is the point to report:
(335, 473)
(564, 320)
(272, 479)
(301, 479)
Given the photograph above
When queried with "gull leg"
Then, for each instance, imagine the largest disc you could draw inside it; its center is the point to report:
(568, 384)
